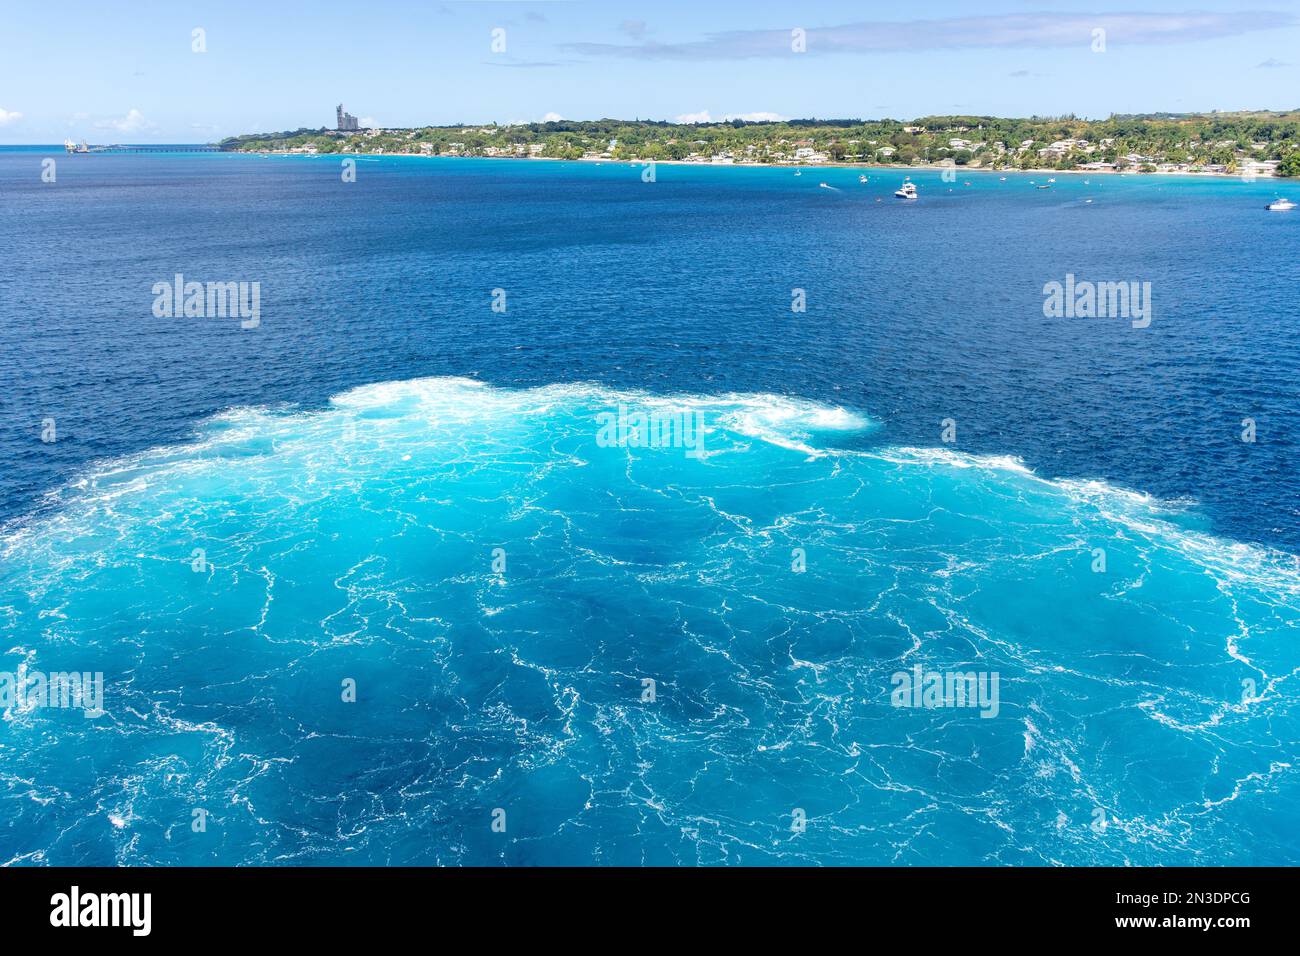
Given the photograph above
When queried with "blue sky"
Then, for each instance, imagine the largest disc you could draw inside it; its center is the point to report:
(115, 71)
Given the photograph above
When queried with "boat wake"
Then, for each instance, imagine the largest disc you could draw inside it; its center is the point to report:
(646, 626)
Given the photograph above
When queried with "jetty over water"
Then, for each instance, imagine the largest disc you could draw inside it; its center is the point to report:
(182, 148)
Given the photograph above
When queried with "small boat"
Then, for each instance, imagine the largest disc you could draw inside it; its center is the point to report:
(1002, 179)
(1087, 182)
(798, 172)
(1051, 180)
(862, 179)
(69, 146)
(1281, 205)
(906, 191)
(824, 185)
(1045, 186)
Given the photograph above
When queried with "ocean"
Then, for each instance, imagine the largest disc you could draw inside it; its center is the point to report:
(547, 515)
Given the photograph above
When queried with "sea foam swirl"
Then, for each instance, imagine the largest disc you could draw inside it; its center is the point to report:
(499, 585)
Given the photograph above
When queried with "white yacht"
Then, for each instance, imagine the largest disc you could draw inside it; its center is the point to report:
(1281, 205)
(906, 191)
(862, 179)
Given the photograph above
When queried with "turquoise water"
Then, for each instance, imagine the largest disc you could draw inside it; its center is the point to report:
(389, 488)
(359, 541)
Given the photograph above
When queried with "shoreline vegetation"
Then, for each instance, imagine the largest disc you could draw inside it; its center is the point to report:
(1251, 144)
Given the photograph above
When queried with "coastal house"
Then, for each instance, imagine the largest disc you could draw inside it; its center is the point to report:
(1255, 167)
(1063, 147)
(807, 154)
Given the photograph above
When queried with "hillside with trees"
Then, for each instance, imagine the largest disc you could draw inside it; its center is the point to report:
(1209, 142)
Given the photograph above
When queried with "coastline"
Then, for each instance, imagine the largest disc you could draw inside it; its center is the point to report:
(927, 167)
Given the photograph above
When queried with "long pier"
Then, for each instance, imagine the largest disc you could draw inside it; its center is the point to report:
(154, 149)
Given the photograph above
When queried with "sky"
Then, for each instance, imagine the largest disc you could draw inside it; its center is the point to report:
(127, 71)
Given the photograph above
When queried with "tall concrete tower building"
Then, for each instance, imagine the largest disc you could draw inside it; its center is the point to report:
(346, 121)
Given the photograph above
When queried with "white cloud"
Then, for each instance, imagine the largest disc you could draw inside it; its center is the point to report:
(368, 122)
(552, 118)
(701, 117)
(6, 117)
(132, 122)
(1005, 30)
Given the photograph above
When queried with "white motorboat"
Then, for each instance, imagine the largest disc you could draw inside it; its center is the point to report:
(1281, 205)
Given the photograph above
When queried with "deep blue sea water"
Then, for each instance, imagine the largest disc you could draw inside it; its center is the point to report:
(351, 467)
